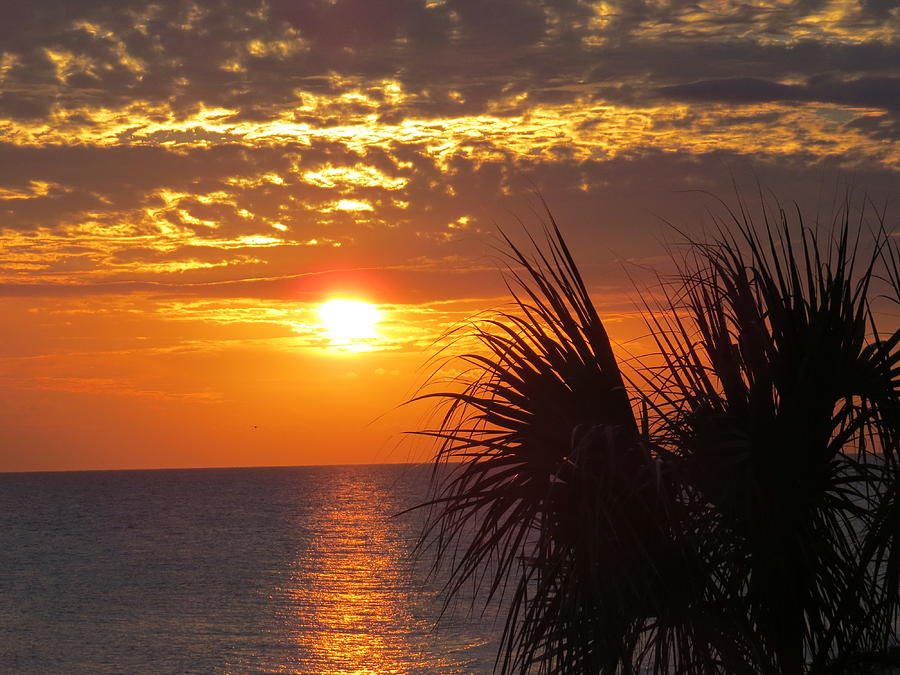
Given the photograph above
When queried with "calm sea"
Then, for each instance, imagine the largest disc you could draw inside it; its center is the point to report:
(271, 570)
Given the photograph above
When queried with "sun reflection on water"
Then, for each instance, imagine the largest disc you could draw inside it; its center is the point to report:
(352, 605)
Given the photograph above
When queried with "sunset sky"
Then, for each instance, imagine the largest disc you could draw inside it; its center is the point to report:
(182, 184)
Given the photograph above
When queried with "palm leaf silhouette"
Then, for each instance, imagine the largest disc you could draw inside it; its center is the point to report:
(745, 521)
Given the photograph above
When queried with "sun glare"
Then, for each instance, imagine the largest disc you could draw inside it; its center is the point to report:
(349, 324)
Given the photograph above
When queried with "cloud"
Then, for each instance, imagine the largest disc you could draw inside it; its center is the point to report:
(63, 62)
(878, 127)
(869, 92)
(191, 147)
(106, 386)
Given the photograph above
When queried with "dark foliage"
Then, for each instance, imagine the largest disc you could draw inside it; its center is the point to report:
(728, 505)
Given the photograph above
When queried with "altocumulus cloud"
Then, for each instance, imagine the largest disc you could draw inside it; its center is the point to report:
(214, 147)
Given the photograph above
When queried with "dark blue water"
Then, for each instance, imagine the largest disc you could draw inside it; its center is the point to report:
(280, 570)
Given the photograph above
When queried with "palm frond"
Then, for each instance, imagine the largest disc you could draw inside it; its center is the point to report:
(746, 521)
(784, 419)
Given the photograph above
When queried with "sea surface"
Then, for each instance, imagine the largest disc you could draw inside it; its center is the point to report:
(268, 570)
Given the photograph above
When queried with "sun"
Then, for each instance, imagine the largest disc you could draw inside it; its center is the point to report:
(350, 324)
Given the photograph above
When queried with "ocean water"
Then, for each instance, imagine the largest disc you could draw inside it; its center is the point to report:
(269, 570)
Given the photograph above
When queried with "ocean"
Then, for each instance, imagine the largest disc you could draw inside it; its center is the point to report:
(263, 570)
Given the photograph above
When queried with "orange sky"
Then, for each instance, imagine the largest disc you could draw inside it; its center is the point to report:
(183, 183)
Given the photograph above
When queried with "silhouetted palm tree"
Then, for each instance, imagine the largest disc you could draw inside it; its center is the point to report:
(728, 505)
